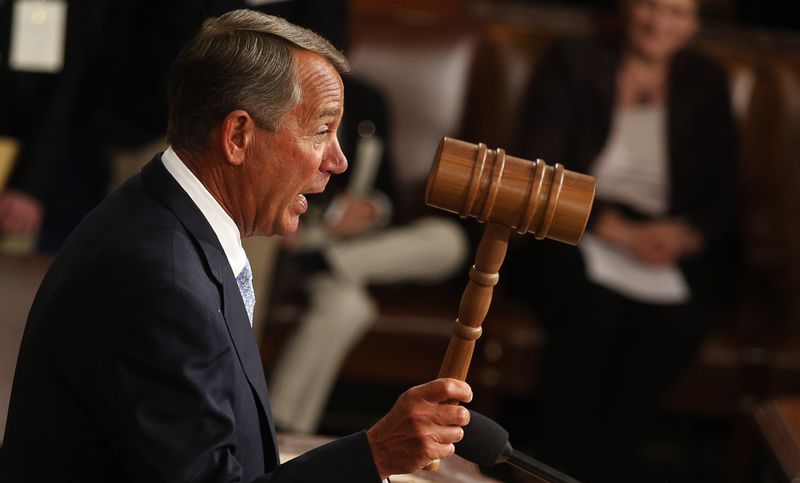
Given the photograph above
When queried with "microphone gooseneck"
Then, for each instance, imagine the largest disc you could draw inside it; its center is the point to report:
(485, 443)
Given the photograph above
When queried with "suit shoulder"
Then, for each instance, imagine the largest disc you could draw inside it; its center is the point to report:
(136, 241)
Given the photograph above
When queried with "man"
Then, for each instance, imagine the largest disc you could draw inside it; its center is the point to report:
(138, 361)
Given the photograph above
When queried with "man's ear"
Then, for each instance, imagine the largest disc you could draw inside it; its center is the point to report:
(238, 136)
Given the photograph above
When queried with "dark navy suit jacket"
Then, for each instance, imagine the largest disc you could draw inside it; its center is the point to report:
(138, 362)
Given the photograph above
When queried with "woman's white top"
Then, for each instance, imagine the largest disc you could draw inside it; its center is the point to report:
(633, 170)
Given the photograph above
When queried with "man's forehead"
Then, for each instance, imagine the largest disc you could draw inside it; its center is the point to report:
(321, 85)
(312, 65)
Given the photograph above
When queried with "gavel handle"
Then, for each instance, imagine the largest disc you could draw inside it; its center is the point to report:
(475, 302)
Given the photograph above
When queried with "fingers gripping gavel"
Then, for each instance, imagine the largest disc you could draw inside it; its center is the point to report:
(507, 193)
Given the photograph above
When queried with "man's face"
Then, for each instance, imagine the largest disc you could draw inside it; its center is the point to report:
(300, 156)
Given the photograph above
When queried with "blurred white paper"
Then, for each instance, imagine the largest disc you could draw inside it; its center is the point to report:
(614, 268)
(38, 34)
(369, 150)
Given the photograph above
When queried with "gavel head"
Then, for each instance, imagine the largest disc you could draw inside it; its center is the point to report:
(527, 196)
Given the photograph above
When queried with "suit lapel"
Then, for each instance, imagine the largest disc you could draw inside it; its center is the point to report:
(169, 192)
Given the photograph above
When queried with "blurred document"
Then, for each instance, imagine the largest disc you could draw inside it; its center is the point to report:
(38, 33)
(614, 268)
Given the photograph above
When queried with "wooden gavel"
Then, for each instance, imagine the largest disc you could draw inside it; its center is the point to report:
(508, 193)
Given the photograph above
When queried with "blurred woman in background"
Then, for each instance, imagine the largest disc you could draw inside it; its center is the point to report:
(651, 120)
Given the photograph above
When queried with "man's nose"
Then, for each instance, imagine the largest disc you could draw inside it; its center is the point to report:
(336, 162)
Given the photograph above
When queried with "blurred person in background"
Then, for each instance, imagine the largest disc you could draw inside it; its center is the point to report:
(52, 54)
(651, 119)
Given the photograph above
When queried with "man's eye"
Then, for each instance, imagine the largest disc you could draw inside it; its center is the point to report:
(323, 134)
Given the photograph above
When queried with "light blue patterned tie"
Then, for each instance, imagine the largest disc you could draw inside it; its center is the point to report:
(245, 283)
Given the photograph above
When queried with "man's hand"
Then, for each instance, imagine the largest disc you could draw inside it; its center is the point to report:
(419, 429)
(20, 213)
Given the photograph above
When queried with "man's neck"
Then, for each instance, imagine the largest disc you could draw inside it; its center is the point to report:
(211, 173)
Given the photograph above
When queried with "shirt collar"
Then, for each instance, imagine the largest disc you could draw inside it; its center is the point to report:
(223, 225)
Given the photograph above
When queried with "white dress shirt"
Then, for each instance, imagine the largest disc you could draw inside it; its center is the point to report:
(223, 225)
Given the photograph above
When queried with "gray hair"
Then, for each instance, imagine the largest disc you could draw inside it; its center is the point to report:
(240, 60)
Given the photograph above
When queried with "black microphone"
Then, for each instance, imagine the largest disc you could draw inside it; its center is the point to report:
(486, 443)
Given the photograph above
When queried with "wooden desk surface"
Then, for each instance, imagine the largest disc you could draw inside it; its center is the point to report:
(452, 470)
(779, 423)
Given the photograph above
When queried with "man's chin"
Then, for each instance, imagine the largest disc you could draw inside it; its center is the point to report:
(286, 228)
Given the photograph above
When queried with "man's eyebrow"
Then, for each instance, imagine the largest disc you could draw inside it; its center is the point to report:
(330, 112)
